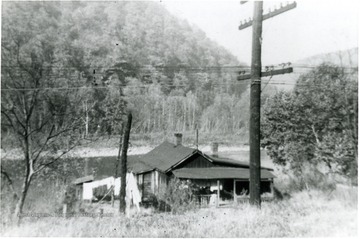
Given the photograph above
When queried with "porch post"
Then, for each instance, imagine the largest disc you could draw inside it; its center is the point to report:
(234, 191)
(218, 193)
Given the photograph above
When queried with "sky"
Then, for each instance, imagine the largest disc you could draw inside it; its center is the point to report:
(313, 27)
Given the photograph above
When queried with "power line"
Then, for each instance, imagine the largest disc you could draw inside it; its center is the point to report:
(145, 67)
(107, 87)
(200, 68)
(148, 86)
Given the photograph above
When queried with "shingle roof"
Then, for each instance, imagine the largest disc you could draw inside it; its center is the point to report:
(162, 158)
(166, 155)
(139, 167)
(218, 173)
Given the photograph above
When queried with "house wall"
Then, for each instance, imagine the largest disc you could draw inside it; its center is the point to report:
(163, 181)
(140, 183)
(152, 183)
(147, 187)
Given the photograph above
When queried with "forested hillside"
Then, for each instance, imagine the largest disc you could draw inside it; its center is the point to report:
(93, 59)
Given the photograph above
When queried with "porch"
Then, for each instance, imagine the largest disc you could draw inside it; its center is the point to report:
(220, 186)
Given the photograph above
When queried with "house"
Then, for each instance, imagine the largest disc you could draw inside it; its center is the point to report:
(154, 170)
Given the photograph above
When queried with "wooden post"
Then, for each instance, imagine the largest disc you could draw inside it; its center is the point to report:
(64, 210)
(272, 187)
(218, 193)
(156, 182)
(101, 212)
(124, 164)
(234, 191)
(255, 95)
(117, 163)
(113, 196)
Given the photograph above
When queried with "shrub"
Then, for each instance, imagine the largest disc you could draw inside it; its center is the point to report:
(179, 196)
(309, 177)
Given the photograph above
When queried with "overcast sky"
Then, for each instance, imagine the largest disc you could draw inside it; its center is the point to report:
(313, 27)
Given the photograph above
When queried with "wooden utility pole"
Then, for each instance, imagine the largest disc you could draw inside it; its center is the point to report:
(123, 170)
(255, 93)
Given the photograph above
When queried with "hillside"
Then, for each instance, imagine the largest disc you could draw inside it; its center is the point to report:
(346, 58)
(122, 54)
(107, 57)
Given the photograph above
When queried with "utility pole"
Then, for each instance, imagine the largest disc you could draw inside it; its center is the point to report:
(255, 93)
(124, 163)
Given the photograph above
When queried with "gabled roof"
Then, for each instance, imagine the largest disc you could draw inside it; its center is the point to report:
(218, 173)
(136, 166)
(166, 155)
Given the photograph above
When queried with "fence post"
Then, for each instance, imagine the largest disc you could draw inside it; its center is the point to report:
(235, 192)
(64, 210)
(218, 193)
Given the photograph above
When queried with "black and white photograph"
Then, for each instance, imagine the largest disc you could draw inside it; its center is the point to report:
(179, 118)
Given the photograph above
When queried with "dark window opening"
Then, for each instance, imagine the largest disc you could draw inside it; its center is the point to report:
(243, 187)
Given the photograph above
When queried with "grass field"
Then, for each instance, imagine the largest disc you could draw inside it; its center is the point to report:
(305, 214)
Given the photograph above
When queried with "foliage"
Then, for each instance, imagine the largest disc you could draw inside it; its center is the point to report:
(179, 195)
(314, 124)
(135, 50)
(69, 70)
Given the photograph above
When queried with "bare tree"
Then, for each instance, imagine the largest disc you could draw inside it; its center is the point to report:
(38, 110)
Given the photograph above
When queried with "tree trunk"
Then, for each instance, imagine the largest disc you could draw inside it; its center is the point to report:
(29, 171)
(21, 201)
(124, 164)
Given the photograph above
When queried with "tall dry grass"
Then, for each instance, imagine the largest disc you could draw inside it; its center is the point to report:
(313, 213)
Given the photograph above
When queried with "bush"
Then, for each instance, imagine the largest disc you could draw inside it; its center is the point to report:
(179, 196)
(308, 178)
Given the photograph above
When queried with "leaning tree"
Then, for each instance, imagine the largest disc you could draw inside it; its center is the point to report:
(39, 91)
